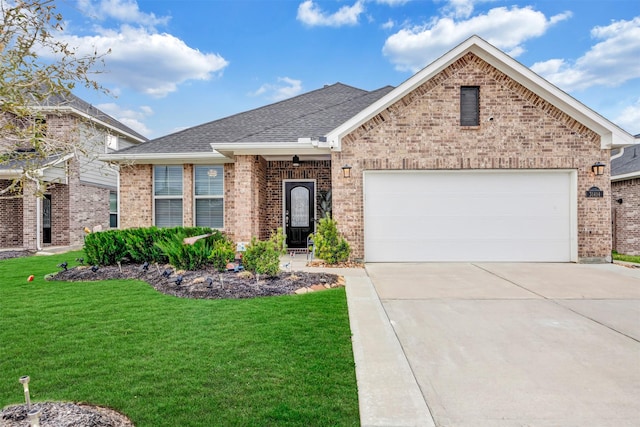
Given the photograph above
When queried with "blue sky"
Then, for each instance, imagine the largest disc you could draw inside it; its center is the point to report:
(178, 63)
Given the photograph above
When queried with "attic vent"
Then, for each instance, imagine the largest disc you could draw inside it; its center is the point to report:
(469, 106)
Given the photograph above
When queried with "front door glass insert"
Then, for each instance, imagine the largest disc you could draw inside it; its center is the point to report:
(300, 207)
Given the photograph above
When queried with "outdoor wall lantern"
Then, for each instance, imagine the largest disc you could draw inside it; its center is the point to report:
(598, 168)
(296, 161)
(346, 171)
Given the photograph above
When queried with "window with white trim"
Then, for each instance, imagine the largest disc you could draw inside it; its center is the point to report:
(167, 195)
(208, 182)
(112, 142)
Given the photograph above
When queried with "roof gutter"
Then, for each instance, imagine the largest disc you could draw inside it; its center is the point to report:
(304, 146)
(165, 158)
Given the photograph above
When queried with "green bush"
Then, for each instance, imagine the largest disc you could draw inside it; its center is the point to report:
(262, 257)
(189, 257)
(139, 244)
(331, 247)
(279, 239)
(105, 247)
(223, 252)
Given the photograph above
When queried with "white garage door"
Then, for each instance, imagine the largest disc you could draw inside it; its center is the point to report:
(413, 216)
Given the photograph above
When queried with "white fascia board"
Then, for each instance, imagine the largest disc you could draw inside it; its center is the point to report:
(17, 173)
(270, 149)
(611, 136)
(623, 177)
(10, 173)
(77, 112)
(166, 158)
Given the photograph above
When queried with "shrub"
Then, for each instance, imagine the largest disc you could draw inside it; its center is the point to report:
(105, 247)
(189, 257)
(279, 239)
(262, 257)
(223, 252)
(139, 244)
(330, 245)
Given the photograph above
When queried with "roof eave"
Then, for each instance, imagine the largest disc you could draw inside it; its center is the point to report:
(165, 158)
(272, 149)
(626, 176)
(611, 136)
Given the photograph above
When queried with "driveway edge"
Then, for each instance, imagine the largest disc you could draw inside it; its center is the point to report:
(388, 393)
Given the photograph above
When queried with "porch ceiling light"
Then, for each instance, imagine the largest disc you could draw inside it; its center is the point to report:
(296, 161)
(598, 168)
(346, 171)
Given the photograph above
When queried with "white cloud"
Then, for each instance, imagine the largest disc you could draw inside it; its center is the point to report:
(128, 117)
(410, 49)
(388, 25)
(285, 88)
(150, 63)
(611, 62)
(309, 13)
(629, 118)
(126, 11)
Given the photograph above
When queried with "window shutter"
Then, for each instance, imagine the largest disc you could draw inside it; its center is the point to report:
(469, 106)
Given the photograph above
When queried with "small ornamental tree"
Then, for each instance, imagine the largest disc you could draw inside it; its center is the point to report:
(331, 247)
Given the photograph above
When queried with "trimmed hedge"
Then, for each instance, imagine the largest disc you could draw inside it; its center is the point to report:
(148, 244)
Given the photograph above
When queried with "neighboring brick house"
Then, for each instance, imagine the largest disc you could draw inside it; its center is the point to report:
(474, 158)
(625, 193)
(79, 190)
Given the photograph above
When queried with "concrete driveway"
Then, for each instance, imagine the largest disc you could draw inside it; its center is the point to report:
(497, 344)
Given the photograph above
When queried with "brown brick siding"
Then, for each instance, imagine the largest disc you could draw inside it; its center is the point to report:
(136, 196)
(627, 216)
(10, 219)
(517, 130)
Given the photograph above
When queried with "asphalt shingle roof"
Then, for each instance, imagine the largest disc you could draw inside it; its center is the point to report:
(311, 114)
(629, 162)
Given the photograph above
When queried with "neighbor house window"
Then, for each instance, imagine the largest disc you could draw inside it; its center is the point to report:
(167, 195)
(470, 106)
(113, 209)
(208, 192)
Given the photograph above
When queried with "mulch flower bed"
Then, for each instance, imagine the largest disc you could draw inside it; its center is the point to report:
(64, 414)
(207, 283)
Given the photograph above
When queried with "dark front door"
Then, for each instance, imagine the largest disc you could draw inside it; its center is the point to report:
(46, 219)
(299, 212)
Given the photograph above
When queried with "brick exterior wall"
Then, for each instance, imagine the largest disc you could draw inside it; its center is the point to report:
(422, 132)
(10, 219)
(136, 196)
(626, 226)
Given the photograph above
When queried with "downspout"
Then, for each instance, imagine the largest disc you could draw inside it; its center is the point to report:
(38, 210)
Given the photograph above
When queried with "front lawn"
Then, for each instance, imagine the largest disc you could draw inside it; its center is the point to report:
(165, 361)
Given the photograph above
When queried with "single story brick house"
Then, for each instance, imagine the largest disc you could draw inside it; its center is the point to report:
(474, 158)
(625, 193)
(78, 190)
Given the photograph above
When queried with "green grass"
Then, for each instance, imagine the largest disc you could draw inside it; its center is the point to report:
(165, 361)
(627, 258)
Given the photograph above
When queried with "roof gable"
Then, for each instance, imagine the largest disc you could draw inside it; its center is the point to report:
(610, 135)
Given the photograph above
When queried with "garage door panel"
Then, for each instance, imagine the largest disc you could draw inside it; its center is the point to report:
(468, 216)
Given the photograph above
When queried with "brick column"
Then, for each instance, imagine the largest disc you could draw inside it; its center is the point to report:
(246, 199)
(30, 215)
